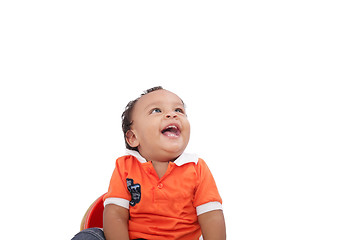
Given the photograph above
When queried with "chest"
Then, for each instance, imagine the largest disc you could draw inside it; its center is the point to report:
(173, 193)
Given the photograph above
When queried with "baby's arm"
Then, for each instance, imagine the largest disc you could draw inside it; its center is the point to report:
(212, 225)
(116, 222)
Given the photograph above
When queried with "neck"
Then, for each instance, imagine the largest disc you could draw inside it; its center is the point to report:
(160, 168)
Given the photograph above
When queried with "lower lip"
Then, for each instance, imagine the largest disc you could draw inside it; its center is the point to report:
(171, 135)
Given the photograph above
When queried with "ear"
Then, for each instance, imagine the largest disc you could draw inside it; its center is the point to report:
(131, 139)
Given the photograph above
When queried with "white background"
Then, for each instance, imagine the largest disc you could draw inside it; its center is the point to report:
(271, 89)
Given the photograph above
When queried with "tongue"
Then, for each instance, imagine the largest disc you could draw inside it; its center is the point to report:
(171, 132)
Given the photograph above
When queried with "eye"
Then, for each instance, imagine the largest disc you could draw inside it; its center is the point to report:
(180, 110)
(155, 110)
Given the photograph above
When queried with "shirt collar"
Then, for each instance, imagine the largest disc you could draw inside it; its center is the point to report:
(181, 160)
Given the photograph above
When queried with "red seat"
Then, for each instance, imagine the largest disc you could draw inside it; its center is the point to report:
(94, 215)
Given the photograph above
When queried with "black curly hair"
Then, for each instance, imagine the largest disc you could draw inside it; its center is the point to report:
(126, 116)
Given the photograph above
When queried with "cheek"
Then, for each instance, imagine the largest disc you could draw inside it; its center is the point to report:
(150, 130)
(187, 128)
(187, 124)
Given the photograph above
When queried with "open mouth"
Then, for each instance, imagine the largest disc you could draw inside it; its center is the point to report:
(171, 130)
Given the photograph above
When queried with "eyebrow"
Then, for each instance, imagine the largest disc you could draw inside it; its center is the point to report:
(159, 103)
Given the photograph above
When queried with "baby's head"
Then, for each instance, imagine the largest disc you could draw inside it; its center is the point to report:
(156, 125)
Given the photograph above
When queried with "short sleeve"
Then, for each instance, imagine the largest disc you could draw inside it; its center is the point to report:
(117, 193)
(207, 197)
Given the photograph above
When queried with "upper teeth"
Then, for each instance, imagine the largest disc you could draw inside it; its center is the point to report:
(170, 127)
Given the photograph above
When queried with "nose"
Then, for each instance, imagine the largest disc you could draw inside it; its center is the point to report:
(171, 115)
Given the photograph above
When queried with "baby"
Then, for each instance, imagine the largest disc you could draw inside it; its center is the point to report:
(158, 192)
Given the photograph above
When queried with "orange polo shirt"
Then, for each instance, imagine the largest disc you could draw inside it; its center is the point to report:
(165, 208)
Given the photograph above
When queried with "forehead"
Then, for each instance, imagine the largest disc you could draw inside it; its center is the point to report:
(158, 97)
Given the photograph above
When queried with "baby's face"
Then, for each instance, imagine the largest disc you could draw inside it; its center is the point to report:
(160, 128)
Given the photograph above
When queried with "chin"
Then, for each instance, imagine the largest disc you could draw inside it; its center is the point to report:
(174, 152)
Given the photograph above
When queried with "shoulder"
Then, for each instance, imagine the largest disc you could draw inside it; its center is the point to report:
(201, 164)
(126, 161)
(201, 161)
(123, 159)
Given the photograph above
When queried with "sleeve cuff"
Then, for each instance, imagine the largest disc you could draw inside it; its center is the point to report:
(207, 207)
(117, 201)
